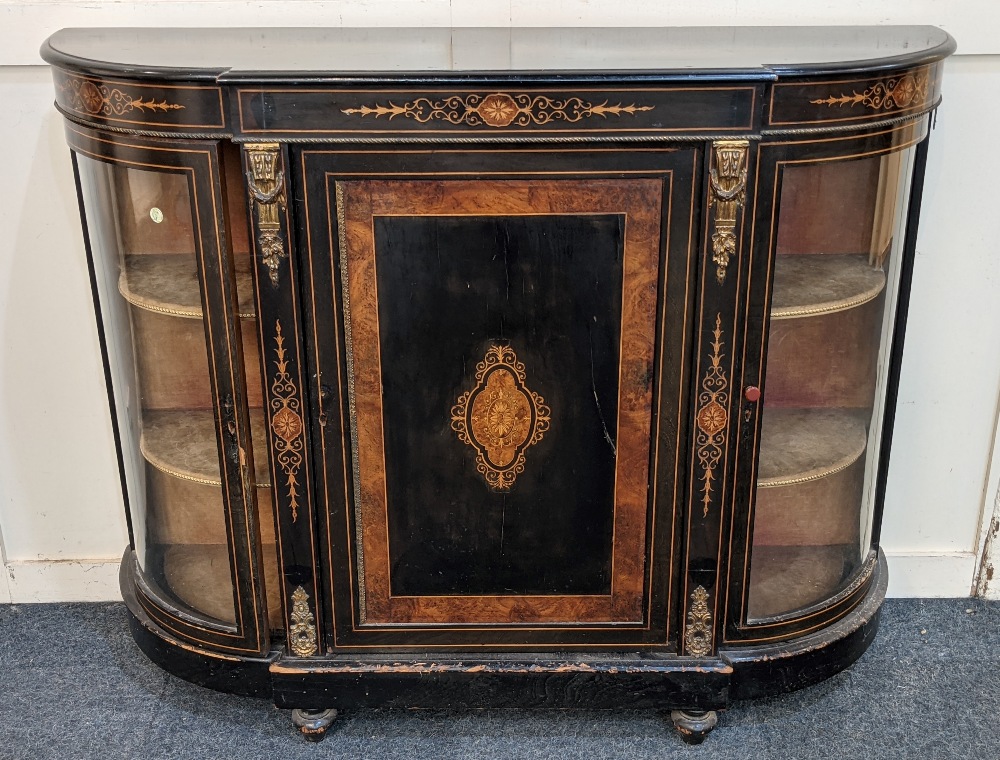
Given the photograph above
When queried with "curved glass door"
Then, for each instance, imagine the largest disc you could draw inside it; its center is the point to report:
(176, 395)
(839, 243)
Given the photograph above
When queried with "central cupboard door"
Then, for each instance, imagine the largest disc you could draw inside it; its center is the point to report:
(499, 341)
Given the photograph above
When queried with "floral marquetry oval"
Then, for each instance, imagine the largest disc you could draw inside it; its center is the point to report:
(500, 417)
(287, 425)
(498, 110)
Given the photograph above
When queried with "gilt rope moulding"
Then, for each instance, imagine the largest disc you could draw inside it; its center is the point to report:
(501, 367)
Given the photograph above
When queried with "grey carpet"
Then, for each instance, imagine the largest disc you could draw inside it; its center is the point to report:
(74, 685)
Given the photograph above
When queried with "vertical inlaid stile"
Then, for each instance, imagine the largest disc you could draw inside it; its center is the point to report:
(284, 401)
(715, 400)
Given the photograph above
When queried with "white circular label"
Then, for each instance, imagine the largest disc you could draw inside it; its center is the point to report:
(156, 215)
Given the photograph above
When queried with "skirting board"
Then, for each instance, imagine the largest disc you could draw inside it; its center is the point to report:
(942, 575)
(85, 580)
(910, 575)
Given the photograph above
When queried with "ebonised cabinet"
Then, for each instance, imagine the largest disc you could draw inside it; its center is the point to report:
(501, 367)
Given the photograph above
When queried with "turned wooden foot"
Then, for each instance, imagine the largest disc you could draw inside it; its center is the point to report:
(313, 723)
(694, 725)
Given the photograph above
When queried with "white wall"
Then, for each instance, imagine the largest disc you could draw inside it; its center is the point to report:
(948, 393)
(61, 524)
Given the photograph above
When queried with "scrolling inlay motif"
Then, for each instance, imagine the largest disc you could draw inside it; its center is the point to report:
(95, 99)
(302, 636)
(729, 183)
(500, 417)
(712, 416)
(900, 92)
(286, 423)
(267, 188)
(698, 631)
(497, 110)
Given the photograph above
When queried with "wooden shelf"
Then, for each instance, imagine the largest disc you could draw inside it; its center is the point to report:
(801, 445)
(168, 284)
(183, 443)
(815, 284)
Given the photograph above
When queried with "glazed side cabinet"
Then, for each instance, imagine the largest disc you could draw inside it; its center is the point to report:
(511, 367)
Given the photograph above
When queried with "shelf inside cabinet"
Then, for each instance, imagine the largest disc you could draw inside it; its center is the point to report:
(168, 284)
(800, 445)
(808, 285)
(183, 443)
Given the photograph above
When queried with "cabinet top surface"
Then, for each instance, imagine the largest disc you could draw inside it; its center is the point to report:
(762, 52)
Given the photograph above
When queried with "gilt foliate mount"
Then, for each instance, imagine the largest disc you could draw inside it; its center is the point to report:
(698, 631)
(266, 185)
(728, 178)
(302, 635)
(500, 418)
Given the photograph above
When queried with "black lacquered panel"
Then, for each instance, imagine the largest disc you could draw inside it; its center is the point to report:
(855, 100)
(549, 289)
(491, 110)
(126, 104)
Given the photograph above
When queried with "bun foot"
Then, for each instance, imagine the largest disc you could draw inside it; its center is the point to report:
(694, 725)
(313, 723)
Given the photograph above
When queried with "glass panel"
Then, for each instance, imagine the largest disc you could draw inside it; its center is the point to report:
(840, 236)
(143, 244)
